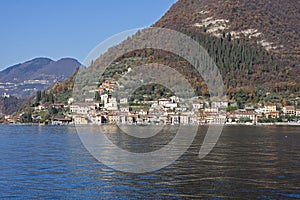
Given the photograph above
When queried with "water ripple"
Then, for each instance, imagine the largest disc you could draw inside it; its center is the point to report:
(247, 163)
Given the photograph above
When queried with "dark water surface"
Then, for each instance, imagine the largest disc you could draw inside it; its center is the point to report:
(247, 163)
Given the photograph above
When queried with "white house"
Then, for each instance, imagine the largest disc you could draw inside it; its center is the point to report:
(124, 109)
(289, 110)
(245, 115)
(220, 119)
(174, 119)
(97, 119)
(270, 108)
(298, 112)
(184, 119)
(112, 104)
(174, 99)
(198, 106)
(71, 100)
(182, 108)
(80, 120)
(211, 110)
(163, 101)
(143, 112)
(124, 101)
(5, 95)
(123, 118)
(88, 100)
(104, 98)
(113, 118)
(82, 109)
(219, 104)
(40, 107)
(171, 106)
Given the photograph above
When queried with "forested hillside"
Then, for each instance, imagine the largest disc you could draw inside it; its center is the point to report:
(254, 43)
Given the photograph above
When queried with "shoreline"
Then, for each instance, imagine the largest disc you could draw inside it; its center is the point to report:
(227, 124)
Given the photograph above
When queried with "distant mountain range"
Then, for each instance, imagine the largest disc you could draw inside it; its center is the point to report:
(26, 78)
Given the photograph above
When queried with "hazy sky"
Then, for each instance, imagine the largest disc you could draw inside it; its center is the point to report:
(68, 28)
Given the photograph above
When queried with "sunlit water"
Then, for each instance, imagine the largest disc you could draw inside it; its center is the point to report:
(247, 163)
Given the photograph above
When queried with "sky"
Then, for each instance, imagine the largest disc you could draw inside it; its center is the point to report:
(68, 28)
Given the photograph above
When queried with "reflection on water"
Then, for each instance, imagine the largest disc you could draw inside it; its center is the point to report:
(246, 163)
(128, 154)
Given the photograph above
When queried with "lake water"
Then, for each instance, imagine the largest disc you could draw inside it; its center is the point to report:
(248, 162)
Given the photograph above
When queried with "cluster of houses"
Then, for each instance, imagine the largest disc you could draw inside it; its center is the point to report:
(170, 111)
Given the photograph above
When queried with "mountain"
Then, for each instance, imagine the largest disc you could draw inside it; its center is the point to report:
(12, 104)
(255, 43)
(272, 24)
(25, 79)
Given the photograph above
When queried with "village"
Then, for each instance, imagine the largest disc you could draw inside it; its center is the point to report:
(106, 109)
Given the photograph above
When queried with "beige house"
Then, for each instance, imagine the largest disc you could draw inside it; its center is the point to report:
(97, 119)
(40, 107)
(211, 110)
(163, 101)
(113, 118)
(184, 119)
(219, 104)
(245, 114)
(298, 112)
(198, 106)
(270, 108)
(80, 120)
(82, 108)
(289, 110)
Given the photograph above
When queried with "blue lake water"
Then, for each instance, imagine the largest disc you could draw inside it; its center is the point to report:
(48, 162)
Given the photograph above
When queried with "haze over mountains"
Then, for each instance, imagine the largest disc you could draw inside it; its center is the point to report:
(26, 78)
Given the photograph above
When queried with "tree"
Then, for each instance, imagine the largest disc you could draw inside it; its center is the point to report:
(53, 111)
(38, 96)
(27, 116)
(229, 37)
(97, 96)
(284, 103)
